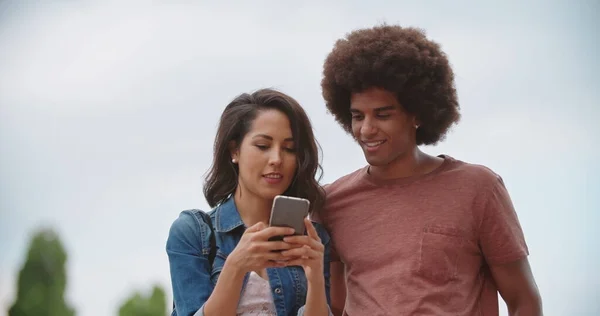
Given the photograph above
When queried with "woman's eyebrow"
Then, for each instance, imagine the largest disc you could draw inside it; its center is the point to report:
(265, 136)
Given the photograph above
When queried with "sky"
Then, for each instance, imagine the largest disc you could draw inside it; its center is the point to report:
(108, 110)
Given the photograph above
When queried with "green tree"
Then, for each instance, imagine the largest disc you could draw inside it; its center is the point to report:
(138, 305)
(43, 279)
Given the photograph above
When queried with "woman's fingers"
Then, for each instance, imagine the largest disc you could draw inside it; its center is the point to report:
(275, 264)
(276, 245)
(298, 262)
(311, 239)
(310, 229)
(294, 250)
(256, 227)
(274, 256)
(305, 241)
(273, 231)
(301, 252)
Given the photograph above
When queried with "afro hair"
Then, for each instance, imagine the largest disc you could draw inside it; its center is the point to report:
(402, 61)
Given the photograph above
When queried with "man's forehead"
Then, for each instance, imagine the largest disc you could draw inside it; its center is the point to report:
(375, 108)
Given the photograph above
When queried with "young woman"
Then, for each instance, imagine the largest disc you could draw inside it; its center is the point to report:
(222, 263)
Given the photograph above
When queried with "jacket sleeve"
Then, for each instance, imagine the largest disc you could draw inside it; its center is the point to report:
(189, 264)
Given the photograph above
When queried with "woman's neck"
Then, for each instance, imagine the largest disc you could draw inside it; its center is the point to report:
(252, 208)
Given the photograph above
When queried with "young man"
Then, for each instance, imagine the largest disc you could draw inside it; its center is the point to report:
(414, 234)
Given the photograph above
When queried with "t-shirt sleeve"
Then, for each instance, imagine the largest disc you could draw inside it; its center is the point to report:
(500, 235)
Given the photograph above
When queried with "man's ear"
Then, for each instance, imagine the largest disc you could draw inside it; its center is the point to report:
(234, 151)
(416, 122)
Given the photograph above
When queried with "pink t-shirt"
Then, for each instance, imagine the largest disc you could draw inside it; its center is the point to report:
(422, 245)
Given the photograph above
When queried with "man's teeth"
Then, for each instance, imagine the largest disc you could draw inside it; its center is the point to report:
(373, 144)
(273, 176)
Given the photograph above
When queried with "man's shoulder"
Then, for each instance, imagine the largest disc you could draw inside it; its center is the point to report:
(477, 174)
(344, 181)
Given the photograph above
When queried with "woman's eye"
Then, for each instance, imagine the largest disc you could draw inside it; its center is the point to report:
(290, 150)
(261, 147)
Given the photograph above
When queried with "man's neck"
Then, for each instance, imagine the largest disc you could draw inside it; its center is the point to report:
(412, 163)
(252, 209)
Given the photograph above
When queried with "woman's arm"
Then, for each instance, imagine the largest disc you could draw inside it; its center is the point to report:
(311, 256)
(316, 301)
(190, 269)
(193, 292)
(253, 253)
(226, 295)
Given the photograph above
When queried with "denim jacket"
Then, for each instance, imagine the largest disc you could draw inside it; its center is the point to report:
(193, 279)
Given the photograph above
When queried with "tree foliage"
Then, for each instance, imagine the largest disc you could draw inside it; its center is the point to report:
(138, 305)
(42, 280)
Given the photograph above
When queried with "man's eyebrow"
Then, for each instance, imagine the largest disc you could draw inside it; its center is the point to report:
(385, 108)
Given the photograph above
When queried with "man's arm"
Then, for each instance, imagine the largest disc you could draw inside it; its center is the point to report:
(338, 287)
(518, 288)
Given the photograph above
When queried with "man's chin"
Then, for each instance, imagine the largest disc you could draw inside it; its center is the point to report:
(376, 161)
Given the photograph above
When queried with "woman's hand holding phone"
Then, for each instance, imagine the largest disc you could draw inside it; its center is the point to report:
(254, 252)
(306, 251)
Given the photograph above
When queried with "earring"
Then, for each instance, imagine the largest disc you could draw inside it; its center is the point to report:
(233, 160)
(416, 126)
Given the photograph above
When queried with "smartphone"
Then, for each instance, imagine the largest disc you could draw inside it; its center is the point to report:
(288, 211)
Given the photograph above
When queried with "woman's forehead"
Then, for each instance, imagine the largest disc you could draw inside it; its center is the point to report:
(271, 125)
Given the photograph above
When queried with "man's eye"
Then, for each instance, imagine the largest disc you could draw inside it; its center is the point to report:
(356, 117)
(383, 115)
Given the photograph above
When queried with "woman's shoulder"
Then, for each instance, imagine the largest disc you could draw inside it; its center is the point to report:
(190, 219)
(190, 227)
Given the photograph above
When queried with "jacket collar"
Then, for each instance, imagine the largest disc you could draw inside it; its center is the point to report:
(227, 217)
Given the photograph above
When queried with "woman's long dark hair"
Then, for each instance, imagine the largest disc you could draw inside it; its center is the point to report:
(222, 178)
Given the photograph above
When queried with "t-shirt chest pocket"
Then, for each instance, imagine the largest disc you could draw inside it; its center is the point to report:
(439, 252)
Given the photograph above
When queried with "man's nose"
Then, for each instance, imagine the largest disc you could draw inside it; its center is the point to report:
(368, 129)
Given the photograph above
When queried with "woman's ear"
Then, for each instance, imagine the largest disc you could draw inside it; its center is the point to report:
(234, 151)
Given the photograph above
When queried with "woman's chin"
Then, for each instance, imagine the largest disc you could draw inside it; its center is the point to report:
(271, 194)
